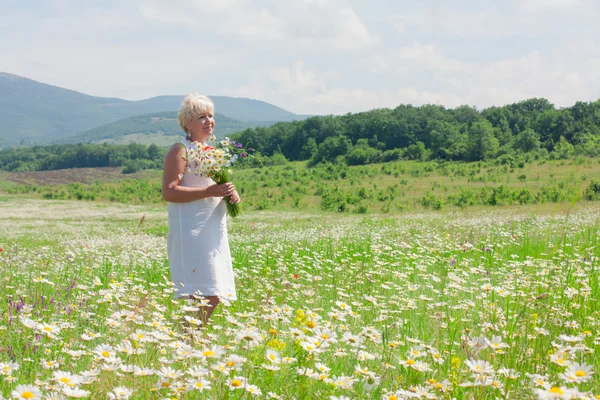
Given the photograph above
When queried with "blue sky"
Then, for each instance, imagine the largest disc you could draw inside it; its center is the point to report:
(311, 56)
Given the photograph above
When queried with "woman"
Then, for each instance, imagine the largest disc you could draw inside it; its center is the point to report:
(197, 245)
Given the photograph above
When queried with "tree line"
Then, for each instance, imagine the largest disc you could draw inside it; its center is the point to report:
(131, 157)
(533, 126)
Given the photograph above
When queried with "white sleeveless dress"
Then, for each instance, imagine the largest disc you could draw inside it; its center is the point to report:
(198, 246)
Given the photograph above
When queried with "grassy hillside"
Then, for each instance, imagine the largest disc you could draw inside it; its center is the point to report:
(34, 112)
(157, 128)
(409, 185)
(237, 108)
(388, 188)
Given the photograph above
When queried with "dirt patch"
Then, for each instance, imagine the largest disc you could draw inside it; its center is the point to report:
(76, 175)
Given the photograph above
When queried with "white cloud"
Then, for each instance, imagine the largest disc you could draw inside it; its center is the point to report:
(115, 70)
(295, 80)
(238, 18)
(312, 26)
(535, 6)
(399, 27)
(167, 15)
(351, 32)
(514, 19)
(312, 56)
(555, 75)
(339, 101)
(467, 24)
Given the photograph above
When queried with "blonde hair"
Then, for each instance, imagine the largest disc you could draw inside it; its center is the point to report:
(191, 108)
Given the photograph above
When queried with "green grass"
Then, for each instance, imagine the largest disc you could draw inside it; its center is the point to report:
(380, 188)
(400, 186)
(5, 183)
(402, 302)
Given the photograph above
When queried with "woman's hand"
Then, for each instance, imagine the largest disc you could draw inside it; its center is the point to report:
(234, 198)
(221, 190)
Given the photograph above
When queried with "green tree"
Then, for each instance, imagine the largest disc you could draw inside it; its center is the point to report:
(153, 152)
(563, 149)
(331, 148)
(309, 149)
(448, 142)
(527, 141)
(587, 144)
(416, 151)
(483, 145)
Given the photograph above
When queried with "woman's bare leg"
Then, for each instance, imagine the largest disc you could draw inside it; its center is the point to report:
(207, 307)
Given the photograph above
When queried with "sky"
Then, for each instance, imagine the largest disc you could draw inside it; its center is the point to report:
(311, 56)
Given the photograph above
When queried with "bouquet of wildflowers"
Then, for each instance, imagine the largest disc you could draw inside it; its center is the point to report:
(214, 161)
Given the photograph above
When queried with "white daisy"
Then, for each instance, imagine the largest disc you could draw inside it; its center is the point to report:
(27, 392)
(120, 392)
(577, 373)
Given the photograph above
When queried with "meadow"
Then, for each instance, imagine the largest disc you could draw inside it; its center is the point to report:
(493, 303)
(388, 188)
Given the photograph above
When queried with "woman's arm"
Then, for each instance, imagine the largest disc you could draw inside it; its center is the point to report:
(174, 193)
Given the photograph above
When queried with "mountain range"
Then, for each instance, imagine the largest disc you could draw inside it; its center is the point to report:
(35, 113)
(158, 128)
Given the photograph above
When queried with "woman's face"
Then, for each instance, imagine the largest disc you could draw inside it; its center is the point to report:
(201, 128)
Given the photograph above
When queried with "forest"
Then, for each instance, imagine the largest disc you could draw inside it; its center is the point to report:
(531, 129)
(131, 157)
(533, 126)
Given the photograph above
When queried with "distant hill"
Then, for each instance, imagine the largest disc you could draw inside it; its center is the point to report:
(152, 128)
(34, 112)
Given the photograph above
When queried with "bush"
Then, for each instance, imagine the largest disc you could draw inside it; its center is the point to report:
(362, 209)
(463, 199)
(500, 195)
(263, 204)
(362, 193)
(416, 151)
(333, 200)
(430, 200)
(524, 196)
(592, 191)
(505, 159)
(276, 159)
(131, 166)
(362, 156)
(391, 155)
